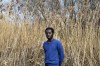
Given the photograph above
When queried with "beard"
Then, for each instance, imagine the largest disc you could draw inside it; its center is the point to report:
(49, 39)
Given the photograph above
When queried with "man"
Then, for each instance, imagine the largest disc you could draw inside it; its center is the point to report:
(53, 49)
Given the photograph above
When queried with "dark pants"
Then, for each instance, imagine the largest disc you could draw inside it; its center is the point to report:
(48, 64)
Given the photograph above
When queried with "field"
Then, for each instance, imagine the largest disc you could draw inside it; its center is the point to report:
(21, 43)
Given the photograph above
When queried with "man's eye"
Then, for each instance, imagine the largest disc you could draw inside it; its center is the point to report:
(48, 33)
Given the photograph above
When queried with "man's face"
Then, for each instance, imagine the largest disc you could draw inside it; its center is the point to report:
(49, 34)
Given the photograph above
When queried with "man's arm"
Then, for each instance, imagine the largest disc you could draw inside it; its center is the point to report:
(43, 48)
(60, 52)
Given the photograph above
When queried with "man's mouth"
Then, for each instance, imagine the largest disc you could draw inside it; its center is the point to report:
(48, 37)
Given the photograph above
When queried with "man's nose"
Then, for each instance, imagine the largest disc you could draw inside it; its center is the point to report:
(48, 34)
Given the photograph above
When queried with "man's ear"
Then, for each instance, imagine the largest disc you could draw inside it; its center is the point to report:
(52, 33)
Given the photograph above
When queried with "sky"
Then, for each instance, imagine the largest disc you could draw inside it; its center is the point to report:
(6, 1)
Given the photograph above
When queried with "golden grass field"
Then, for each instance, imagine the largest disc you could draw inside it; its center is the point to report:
(21, 44)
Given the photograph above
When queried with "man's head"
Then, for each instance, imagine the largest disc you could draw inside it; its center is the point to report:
(49, 31)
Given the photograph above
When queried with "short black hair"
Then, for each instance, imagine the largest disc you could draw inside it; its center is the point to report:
(49, 28)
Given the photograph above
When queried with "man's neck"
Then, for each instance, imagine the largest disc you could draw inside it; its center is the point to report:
(50, 40)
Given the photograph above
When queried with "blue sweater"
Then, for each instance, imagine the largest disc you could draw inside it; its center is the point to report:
(54, 52)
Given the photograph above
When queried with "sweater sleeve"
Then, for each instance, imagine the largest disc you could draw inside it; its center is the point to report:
(43, 48)
(60, 52)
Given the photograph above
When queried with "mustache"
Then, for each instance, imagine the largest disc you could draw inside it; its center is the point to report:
(49, 37)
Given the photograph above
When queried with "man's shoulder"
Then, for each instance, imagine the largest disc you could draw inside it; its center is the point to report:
(44, 42)
(57, 40)
(59, 43)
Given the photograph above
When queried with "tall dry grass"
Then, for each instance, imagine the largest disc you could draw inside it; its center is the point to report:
(21, 44)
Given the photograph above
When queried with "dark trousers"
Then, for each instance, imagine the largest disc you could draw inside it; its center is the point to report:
(48, 64)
